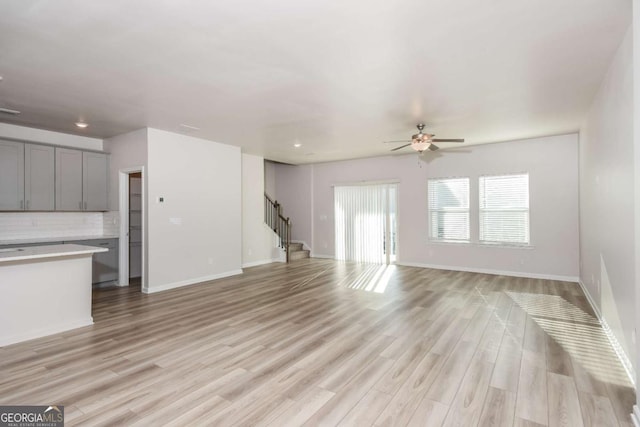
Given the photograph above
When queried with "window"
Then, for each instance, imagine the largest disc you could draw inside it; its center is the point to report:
(504, 209)
(449, 209)
(365, 220)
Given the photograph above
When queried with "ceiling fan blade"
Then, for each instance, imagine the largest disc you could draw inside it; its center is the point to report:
(448, 140)
(395, 142)
(402, 146)
(433, 147)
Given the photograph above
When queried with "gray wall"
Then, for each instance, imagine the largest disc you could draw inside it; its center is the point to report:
(293, 187)
(552, 164)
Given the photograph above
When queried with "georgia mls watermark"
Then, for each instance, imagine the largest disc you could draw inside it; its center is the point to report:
(31, 416)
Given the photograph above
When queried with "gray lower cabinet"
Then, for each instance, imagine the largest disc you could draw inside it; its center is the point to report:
(26, 245)
(39, 177)
(11, 176)
(105, 264)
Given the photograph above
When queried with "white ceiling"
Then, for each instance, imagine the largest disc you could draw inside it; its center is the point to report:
(338, 77)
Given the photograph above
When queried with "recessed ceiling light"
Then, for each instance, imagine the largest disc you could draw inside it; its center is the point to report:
(82, 125)
(297, 145)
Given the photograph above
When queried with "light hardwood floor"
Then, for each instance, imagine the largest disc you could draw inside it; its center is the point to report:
(319, 342)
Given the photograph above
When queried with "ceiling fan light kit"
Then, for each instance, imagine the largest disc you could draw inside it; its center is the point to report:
(424, 141)
(420, 146)
(421, 141)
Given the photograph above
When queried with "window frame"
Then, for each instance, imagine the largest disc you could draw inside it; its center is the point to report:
(435, 239)
(527, 210)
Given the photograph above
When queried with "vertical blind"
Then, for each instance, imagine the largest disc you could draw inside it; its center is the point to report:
(360, 219)
(449, 208)
(504, 209)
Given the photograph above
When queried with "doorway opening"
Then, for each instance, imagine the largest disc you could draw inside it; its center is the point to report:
(132, 241)
(366, 223)
(135, 227)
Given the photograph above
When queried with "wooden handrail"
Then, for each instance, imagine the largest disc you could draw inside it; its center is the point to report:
(278, 223)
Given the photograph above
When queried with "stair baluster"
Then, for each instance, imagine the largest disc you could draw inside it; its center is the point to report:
(278, 223)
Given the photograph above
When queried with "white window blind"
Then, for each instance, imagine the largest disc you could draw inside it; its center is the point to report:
(504, 209)
(449, 209)
(360, 221)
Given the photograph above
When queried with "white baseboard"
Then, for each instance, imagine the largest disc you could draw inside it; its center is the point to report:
(635, 416)
(261, 262)
(312, 255)
(188, 282)
(43, 332)
(491, 271)
(613, 340)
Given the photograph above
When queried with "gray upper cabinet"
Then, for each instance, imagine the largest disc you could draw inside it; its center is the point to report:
(11, 175)
(95, 173)
(68, 180)
(39, 177)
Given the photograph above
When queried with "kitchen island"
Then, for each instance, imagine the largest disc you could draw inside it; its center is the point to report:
(44, 290)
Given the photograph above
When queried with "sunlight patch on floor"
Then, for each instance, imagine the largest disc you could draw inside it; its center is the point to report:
(579, 333)
(374, 278)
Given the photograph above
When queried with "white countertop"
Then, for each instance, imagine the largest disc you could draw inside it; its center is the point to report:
(56, 239)
(49, 251)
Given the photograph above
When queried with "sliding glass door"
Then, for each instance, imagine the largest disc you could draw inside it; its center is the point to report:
(365, 223)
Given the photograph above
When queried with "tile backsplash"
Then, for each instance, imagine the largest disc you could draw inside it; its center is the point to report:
(111, 223)
(28, 225)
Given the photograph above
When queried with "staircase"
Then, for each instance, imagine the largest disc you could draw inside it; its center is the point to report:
(282, 227)
(296, 251)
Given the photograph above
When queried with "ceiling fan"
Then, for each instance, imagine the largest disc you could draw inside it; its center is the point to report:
(423, 141)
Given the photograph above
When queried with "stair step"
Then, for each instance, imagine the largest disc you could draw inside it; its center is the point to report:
(293, 255)
(295, 247)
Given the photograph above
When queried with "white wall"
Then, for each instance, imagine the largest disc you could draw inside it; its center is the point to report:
(48, 137)
(607, 245)
(127, 151)
(270, 179)
(552, 164)
(636, 144)
(258, 240)
(196, 233)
